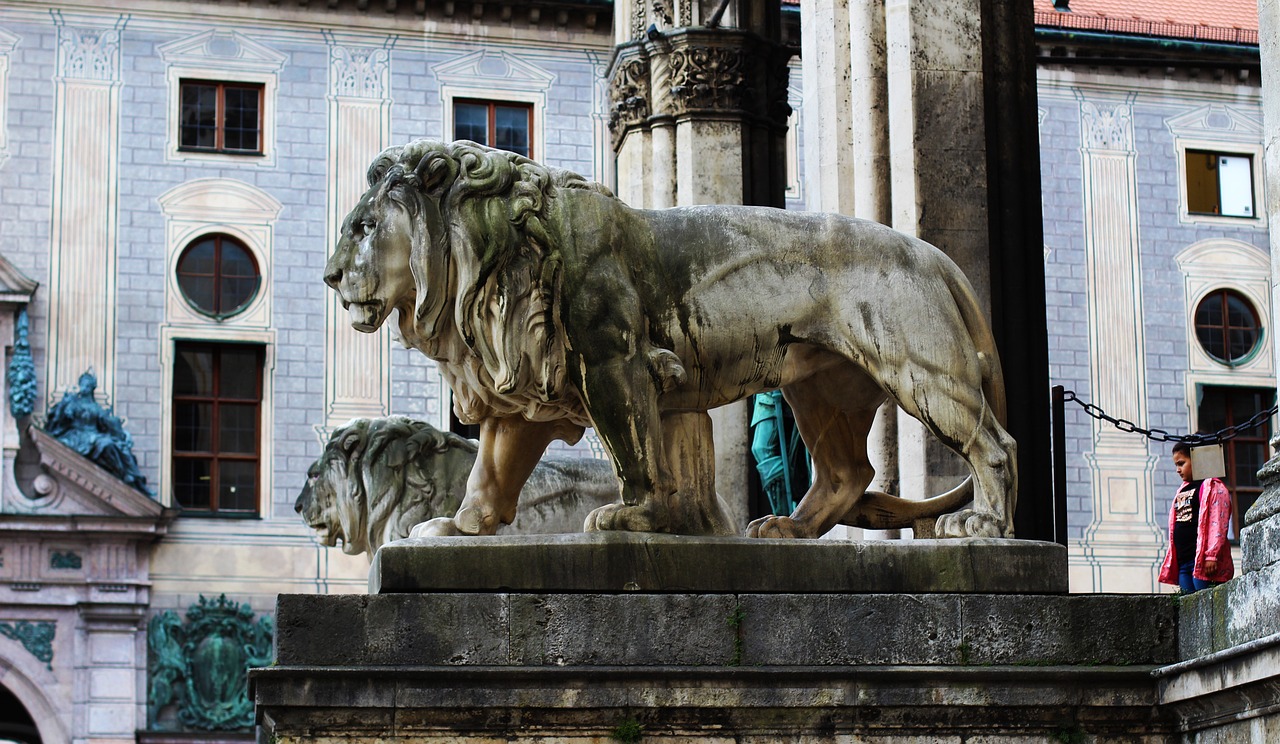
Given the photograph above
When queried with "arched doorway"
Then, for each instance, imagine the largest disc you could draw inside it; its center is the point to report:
(16, 724)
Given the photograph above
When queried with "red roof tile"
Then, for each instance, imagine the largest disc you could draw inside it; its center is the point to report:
(1231, 21)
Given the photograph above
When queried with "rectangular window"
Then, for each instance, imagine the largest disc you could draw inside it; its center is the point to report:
(1219, 183)
(506, 126)
(217, 402)
(220, 117)
(1244, 455)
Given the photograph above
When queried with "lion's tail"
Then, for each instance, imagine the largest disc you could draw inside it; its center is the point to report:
(880, 511)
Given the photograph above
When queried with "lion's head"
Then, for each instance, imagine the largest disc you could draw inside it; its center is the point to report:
(377, 478)
(461, 240)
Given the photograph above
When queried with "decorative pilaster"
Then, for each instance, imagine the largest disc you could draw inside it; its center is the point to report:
(357, 365)
(1121, 546)
(82, 271)
(7, 44)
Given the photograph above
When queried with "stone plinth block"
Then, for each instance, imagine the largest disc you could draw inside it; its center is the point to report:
(647, 562)
(477, 666)
(477, 629)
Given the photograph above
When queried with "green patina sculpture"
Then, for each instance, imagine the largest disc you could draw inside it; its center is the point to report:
(35, 637)
(197, 669)
(69, 560)
(20, 376)
(781, 459)
(84, 425)
(551, 306)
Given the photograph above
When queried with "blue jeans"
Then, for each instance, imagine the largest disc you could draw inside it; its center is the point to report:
(1189, 583)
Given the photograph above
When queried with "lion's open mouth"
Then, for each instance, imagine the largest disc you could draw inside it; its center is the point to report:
(327, 537)
(366, 317)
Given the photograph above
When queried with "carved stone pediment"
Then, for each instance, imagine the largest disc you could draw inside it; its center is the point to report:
(15, 286)
(72, 485)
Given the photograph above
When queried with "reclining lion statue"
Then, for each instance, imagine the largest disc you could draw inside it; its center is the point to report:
(377, 478)
(551, 306)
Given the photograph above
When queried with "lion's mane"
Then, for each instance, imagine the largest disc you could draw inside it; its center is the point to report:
(378, 480)
(487, 269)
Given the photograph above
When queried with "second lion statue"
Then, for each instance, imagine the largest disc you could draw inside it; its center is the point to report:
(550, 306)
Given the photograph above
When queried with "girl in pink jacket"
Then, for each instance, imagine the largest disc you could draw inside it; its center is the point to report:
(1199, 555)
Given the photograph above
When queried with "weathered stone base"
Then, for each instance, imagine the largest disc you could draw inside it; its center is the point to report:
(561, 667)
(646, 562)
(749, 704)
(642, 660)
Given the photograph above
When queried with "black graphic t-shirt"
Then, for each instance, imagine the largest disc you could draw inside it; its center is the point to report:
(1186, 522)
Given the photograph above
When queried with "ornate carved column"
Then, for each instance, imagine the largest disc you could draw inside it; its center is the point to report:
(82, 269)
(357, 365)
(1121, 546)
(698, 113)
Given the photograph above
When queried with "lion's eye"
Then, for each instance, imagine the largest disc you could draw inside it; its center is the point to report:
(368, 226)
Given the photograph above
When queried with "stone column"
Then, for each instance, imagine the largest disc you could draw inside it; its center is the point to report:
(82, 266)
(964, 170)
(937, 172)
(698, 114)
(1260, 537)
(828, 99)
(1121, 546)
(357, 365)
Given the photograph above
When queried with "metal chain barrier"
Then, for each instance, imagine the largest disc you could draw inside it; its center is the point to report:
(1160, 435)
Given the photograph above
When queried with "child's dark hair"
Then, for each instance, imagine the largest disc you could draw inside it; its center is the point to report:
(1182, 447)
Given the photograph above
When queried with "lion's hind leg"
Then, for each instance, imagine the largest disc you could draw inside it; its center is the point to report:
(834, 411)
(953, 406)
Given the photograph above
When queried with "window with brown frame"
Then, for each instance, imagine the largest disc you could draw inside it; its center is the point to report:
(506, 126)
(218, 275)
(217, 402)
(1243, 455)
(1227, 326)
(220, 117)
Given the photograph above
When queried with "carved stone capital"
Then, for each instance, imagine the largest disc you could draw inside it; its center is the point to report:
(628, 97)
(710, 78)
(691, 73)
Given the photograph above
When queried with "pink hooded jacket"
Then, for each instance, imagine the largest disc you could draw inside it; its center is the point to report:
(1211, 536)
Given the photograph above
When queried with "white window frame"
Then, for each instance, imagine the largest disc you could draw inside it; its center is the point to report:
(464, 79)
(1224, 130)
(192, 59)
(229, 207)
(1217, 264)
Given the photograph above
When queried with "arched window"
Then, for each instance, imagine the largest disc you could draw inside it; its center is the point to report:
(218, 275)
(1227, 326)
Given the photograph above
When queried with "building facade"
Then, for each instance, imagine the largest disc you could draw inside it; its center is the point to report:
(1157, 263)
(173, 177)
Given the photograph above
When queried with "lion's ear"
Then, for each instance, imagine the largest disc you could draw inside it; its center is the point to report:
(436, 172)
(351, 440)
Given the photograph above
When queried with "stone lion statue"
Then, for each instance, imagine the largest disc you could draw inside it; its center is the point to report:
(377, 478)
(550, 306)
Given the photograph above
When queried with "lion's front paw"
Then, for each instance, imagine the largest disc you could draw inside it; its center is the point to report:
(969, 523)
(772, 526)
(438, 527)
(620, 517)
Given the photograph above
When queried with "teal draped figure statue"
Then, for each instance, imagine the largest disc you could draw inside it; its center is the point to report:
(781, 459)
(84, 425)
